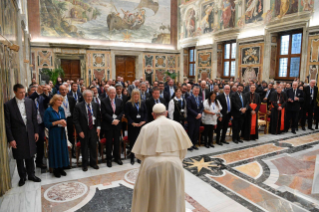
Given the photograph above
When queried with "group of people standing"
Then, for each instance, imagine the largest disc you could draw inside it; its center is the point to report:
(102, 112)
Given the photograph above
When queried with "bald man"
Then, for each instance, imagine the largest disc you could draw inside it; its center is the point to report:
(310, 95)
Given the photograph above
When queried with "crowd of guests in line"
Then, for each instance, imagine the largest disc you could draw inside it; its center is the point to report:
(103, 111)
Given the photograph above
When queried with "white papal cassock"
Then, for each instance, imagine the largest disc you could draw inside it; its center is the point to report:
(161, 146)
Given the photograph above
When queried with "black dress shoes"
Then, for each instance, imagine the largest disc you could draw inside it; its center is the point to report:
(95, 166)
(34, 179)
(139, 161)
(195, 147)
(224, 142)
(293, 132)
(190, 149)
(303, 128)
(240, 141)
(84, 168)
(207, 146)
(236, 142)
(118, 161)
(56, 173)
(21, 182)
(62, 172)
(310, 128)
(132, 161)
(109, 163)
(219, 143)
(211, 145)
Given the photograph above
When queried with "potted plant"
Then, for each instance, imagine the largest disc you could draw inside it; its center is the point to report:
(53, 74)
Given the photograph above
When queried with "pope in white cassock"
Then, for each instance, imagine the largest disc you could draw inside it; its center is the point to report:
(161, 146)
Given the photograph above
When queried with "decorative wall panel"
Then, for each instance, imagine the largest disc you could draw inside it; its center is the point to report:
(154, 65)
(251, 61)
(204, 64)
(313, 58)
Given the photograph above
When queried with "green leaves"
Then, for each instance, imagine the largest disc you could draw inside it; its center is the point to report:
(53, 74)
(171, 75)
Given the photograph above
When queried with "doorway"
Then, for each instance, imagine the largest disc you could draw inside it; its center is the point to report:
(72, 69)
(125, 67)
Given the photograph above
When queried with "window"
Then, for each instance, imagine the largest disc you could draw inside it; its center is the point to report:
(191, 62)
(289, 55)
(229, 59)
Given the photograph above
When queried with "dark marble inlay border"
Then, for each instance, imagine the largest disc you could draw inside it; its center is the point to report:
(117, 199)
(217, 171)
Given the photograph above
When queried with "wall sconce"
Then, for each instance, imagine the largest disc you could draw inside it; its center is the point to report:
(14, 48)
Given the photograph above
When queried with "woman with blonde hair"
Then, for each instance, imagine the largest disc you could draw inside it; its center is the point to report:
(55, 122)
(136, 114)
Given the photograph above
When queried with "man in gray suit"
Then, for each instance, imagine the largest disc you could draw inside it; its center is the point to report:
(22, 132)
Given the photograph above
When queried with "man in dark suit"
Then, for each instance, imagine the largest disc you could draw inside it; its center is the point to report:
(295, 97)
(22, 132)
(112, 113)
(41, 99)
(239, 107)
(88, 125)
(164, 95)
(310, 95)
(104, 94)
(170, 89)
(194, 115)
(225, 101)
(152, 101)
(267, 94)
(75, 93)
(119, 93)
(185, 94)
(96, 97)
(143, 91)
(68, 106)
(247, 88)
(204, 92)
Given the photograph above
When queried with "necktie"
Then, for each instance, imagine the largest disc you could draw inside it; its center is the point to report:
(241, 99)
(90, 118)
(203, 95)
(294, 93)
(75, 97)
(197, 101)
(228, 104)
(113, 106)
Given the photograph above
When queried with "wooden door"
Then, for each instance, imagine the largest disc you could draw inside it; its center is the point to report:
(125, 67)
(72, 70)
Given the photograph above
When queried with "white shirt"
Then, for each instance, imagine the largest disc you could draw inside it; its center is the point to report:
(39, 118)
(210, 119)
(21, 106)
(229, 101)
(171, 107)
(77, 96)
(172, 91)
(93, 117)
(66, 106)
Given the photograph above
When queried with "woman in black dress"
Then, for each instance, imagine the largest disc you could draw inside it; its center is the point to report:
(135, 112)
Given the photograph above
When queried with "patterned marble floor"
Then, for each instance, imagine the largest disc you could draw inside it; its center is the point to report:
(275, 173)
